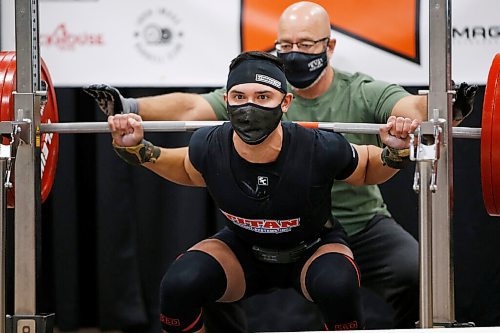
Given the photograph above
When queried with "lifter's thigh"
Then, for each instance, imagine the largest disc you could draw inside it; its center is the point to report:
(227, 259)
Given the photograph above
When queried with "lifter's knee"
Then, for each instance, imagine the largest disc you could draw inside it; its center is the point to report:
(332, 282)
(192, 280)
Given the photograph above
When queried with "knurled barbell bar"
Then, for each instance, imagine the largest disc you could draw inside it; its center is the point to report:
(50, 128)
(184, 126)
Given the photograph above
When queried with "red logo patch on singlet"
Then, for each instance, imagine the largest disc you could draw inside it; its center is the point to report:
(263, 226)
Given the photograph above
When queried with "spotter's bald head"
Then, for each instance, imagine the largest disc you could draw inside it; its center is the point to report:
(304, 20)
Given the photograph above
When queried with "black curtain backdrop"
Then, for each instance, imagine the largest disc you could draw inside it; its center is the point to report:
(111, 230)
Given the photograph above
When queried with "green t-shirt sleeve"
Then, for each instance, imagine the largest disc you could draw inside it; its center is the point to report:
(380, 97)
(216, 100)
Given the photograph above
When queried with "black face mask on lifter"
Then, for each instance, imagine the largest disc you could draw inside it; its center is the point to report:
(253, 123)
(303, 69)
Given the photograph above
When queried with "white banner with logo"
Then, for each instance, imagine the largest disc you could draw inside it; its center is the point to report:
(137, 43)
(190, 43)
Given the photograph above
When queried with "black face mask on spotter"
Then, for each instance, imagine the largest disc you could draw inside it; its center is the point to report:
(253, 123)
(303, 69)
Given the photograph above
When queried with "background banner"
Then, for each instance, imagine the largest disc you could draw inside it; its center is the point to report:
(190, 43)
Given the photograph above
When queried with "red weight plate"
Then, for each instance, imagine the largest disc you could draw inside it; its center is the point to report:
(5, 58)
(5, 87)
(8, 88)
(2, 55)
(2, 69)
(4, 62)
(4, 93)
(49, 148)
(49, 143)
(6, 111)
(490, 144)
(495, 146)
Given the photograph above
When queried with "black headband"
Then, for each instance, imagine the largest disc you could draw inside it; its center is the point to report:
(257, 71)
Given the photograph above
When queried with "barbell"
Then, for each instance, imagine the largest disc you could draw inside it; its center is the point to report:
(50, 128)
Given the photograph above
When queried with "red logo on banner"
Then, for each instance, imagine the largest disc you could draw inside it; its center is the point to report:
(392, 26)
(65, 40)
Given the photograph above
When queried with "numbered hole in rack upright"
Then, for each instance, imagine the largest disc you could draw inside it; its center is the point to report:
(26, 326)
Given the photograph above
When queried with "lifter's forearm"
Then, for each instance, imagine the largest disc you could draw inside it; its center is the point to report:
(376, 171)
(171, 166)
(175, 106)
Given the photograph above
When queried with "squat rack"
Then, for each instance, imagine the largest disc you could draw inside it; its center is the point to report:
(27, 215)
(437, 300)
(435, 193)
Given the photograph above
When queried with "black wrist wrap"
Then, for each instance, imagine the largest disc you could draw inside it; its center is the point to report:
(137, 155)
(395, 158)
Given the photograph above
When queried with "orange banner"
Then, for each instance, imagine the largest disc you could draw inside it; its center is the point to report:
(387, 24)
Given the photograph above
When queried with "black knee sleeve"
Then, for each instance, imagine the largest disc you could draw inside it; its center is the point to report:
(192, 280)
(332, 281)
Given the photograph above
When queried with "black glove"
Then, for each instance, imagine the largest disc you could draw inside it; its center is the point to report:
(110, 100)
(463, 102)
